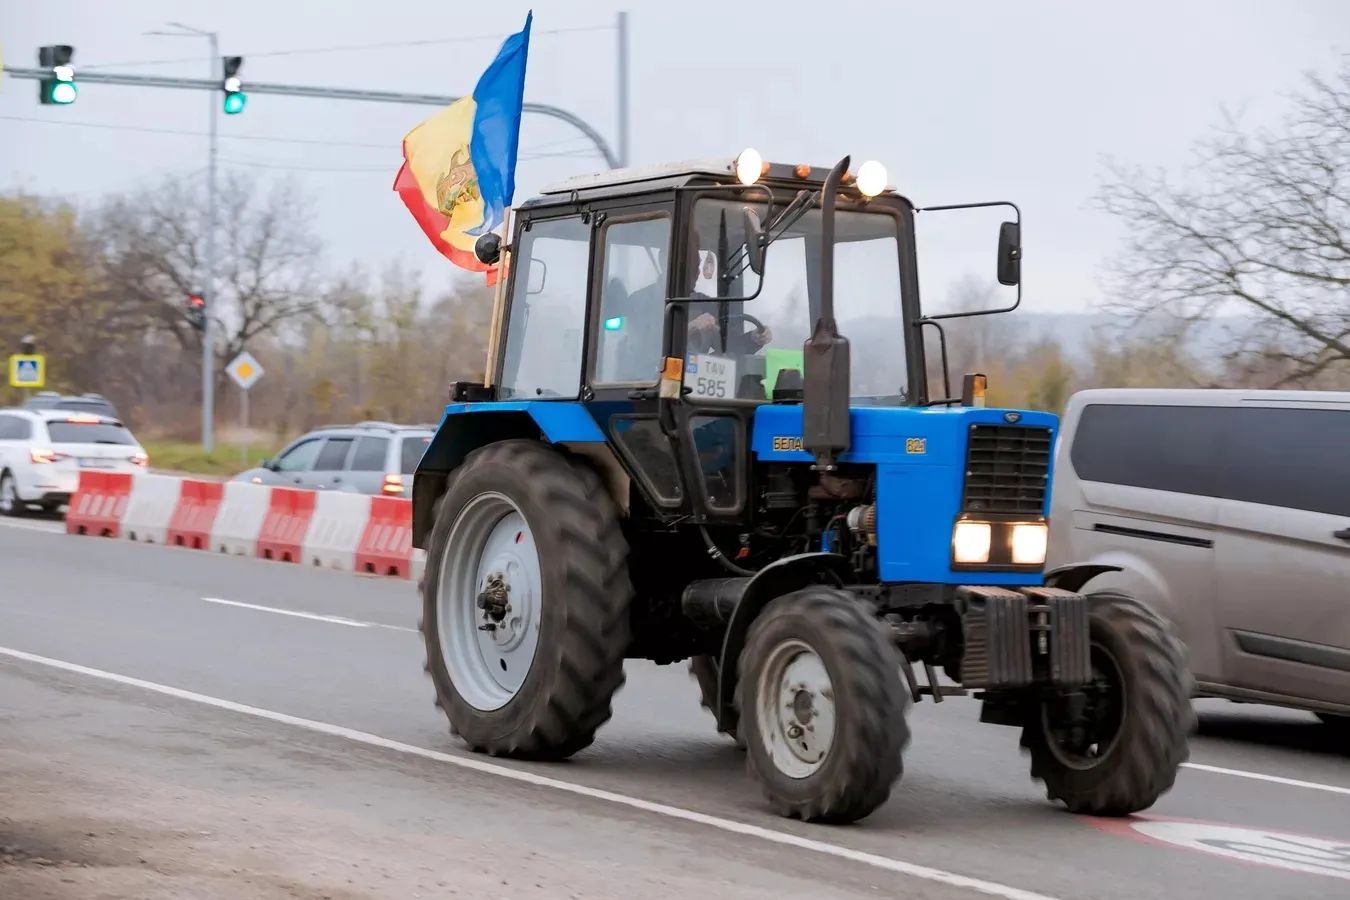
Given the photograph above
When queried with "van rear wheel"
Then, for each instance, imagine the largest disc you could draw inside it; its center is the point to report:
(1337, 725)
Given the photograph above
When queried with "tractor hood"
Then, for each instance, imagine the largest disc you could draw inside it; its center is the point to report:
(933, 435)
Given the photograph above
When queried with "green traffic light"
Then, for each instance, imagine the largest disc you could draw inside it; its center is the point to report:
(61, 92)
(234, 103)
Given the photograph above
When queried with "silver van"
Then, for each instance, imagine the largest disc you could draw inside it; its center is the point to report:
(1227, 511)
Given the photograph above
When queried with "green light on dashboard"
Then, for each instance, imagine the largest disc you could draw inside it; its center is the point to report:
(614, 324)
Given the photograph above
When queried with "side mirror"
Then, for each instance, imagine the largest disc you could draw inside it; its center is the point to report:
(754, 240)
(269, 464)
(1009, 253)
(488, 249)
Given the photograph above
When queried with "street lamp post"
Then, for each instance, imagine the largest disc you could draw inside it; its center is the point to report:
(209, 289)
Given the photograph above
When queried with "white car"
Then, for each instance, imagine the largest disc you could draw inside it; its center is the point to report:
(43, 450)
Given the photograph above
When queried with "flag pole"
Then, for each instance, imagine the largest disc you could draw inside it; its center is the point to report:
(494, 328)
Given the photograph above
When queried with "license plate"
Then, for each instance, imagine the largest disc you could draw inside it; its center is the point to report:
(711, 376)
(95, 463)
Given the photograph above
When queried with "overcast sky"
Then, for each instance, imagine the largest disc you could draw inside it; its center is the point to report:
(961, 101)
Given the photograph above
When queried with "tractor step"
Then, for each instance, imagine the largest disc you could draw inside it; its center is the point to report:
(944, 690)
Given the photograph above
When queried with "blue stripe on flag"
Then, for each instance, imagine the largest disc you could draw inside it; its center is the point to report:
(499, 98)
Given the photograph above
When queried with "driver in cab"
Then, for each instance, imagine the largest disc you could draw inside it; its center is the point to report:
(640, 314)
(705, 336)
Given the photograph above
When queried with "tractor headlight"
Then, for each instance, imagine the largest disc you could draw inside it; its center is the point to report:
(1028, 543)
(871, 178)
(970, 542)
(749, 166)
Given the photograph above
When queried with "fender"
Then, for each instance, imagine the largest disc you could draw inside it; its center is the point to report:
(774, 580)
(458, 435)
(1073, 577)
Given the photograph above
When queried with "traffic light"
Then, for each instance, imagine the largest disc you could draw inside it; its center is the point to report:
(196, 311)
(58, 88)
(235, 98)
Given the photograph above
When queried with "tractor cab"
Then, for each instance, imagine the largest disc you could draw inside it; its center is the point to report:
(706, 433)
(668, 305)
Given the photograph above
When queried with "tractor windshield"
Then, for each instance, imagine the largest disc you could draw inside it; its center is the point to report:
(738, 348)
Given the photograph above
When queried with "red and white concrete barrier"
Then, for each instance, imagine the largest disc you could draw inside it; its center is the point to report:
(347, 532)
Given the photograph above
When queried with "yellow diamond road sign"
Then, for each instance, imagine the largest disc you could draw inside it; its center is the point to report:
(244, 370)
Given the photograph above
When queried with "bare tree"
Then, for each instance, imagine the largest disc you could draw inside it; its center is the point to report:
(153, 244)
(1261, 227)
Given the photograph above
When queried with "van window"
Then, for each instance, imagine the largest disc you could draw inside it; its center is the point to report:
(1292, 458)
(1164, 448)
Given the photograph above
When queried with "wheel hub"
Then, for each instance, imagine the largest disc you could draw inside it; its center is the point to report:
(1084, 726)
(490, 590)
(796, 714)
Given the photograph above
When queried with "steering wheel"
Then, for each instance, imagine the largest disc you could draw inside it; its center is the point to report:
(736, 317)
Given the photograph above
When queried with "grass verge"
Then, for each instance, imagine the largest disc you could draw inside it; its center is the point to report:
(223, 460)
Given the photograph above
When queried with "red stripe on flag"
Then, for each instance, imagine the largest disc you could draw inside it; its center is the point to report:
(432, 222)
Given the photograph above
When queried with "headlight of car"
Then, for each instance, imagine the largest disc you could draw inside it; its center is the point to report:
(1028, 543)
(970, 542)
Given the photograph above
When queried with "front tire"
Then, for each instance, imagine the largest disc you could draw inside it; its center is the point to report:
(1125, 751)
(10, 504)
(527, 542)
(822, 706)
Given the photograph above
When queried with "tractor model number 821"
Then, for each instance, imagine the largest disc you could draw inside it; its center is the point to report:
(675, 455)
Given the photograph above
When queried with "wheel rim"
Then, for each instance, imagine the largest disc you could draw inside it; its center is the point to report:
(795, 709)
(8, 497)
(488, 601)
(1083, 746)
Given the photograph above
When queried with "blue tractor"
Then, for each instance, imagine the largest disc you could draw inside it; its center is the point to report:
(675, 455)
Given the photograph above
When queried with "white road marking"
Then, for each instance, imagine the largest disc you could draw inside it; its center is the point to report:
(913, 870)
(1273, 779)
(336, 620)
(49, 527)
(1292, 852)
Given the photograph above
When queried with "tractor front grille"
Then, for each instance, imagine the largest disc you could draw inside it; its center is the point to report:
(1007, 469)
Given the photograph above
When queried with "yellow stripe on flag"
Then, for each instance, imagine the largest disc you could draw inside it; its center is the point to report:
(434, 150)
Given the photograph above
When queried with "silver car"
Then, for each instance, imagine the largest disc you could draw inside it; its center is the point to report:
(1227, 511)
(369, 458)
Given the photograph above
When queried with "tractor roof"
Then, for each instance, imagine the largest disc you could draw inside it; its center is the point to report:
(660, 176)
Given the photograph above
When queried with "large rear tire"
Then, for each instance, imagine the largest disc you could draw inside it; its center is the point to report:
(703, 669)
(1125, 751)
(822, 706)
(525, 602)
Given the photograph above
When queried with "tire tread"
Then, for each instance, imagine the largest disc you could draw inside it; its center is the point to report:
(594, 635)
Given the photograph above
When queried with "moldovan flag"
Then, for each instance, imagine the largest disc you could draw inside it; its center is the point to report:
(459, 166)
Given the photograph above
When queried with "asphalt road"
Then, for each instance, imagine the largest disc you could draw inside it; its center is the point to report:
(225, 682)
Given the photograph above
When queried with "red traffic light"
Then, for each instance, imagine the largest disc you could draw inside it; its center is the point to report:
(196, 300)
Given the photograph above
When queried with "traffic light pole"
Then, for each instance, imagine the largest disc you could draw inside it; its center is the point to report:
(208, 332)
(297, 90)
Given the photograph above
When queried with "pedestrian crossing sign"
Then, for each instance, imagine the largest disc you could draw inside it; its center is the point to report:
(27, 370)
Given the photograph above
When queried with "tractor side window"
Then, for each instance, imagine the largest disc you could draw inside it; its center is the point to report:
(546, 323)
(632, 301)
